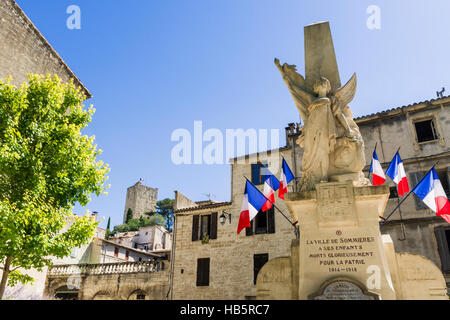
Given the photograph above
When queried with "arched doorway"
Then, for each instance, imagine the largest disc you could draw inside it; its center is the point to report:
(138, 295)
(64, 293)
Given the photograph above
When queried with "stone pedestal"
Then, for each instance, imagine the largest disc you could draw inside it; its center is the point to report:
(341, 253)
(340, 241)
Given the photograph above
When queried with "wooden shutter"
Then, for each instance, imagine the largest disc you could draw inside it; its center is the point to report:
(255, 173)
(213, 227)
(249, 230)
(203, 272)
(442, 235)
(259, 260)
(271, 220)
(415, 179)
(195, 227)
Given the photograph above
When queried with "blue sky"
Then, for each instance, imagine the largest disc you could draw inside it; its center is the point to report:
(154, 66)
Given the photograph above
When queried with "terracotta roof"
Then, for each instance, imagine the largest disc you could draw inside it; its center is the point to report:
(131, 249)
(206, 206)
(397, 110)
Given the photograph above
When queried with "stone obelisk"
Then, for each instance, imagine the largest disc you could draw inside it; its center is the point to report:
(320, 57)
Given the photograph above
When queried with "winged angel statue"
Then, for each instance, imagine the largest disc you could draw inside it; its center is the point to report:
(333, 145)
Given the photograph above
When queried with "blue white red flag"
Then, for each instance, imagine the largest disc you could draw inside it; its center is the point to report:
(271, 184)
(396, 172)
(252, 203)
(431, 192)
(378, 177)
(286, 177)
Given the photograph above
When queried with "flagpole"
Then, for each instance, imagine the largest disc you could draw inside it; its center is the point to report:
(403, 200)
(292, 223)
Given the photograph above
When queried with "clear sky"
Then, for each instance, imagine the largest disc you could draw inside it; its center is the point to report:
(156, 65)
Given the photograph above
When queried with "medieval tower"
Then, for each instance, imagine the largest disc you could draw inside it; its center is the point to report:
(141, 200)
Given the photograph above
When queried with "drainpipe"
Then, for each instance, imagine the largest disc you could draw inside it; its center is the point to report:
(172, 257)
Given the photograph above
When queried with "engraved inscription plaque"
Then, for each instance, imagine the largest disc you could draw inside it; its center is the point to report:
(335, 204)
(343, 289)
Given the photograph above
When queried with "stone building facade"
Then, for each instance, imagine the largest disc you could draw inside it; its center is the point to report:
(141, 200)
(25, 50)
(226, 267)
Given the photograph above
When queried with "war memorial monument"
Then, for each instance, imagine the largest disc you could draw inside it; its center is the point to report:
(341, 253)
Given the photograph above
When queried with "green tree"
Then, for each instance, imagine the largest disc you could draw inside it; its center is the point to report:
(46, 167)
(129, 215)
(165, 208)
(108, 231)
(135, 224)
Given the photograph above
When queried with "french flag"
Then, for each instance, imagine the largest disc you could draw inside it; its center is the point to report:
(431, 192)
(286, 177)
(378, 177)
(396, 172)
(271, 184)
(252, 203)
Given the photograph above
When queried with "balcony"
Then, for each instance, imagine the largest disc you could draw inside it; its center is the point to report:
(106, 268)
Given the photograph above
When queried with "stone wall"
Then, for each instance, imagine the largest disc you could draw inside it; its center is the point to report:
(25, 50)
(115, 281)
(231, 255)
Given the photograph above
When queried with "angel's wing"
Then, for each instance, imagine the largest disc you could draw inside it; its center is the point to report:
(295, 83)
(346, 93)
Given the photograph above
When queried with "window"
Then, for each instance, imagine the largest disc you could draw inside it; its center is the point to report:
(426, 130)
(259, 260)
(264, 222)
(127, 255)
(417, 176)
(443, 240)
(258, 173)
(140, 259)
(135, 245)
(203, 272)
(204, 225)
(116, 252)
(393, 192)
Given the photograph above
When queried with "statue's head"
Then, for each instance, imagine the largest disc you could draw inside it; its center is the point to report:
(322, 87)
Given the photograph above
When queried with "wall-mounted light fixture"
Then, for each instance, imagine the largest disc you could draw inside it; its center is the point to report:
(223, 217)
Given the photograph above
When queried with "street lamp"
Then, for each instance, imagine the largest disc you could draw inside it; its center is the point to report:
(223, 217)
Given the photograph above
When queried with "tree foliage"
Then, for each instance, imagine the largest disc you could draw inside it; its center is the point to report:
(165, 208)
(46, 166)
(135, 224)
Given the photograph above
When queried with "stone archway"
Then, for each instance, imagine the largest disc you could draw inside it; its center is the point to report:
(64, 293)
(102, 295)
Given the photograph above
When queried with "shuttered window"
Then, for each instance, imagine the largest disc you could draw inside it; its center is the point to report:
(443, 240)
(213, 227)
(259, 260)
(258, 172)
(204, 225)
(263, 223)
(195, 227)
(203, 272)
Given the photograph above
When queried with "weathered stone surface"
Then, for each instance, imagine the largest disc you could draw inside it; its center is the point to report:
(141, 200)
(25, 50)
